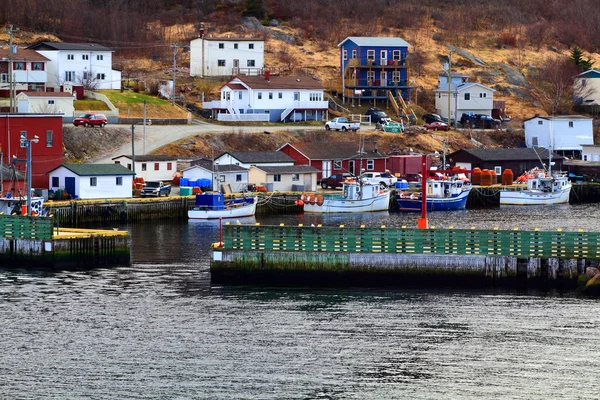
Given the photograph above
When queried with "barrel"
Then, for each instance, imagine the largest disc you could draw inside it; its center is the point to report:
(476, 176)
(185, 191)
(494, 177)
(507, 177)
(184, 181)
(486, 178)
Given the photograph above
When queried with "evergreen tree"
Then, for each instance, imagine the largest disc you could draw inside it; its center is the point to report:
(577, 59)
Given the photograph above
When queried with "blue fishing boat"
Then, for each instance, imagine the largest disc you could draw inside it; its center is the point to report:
(442, 195)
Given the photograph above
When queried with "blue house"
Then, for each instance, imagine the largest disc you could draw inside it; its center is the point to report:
(374, 69)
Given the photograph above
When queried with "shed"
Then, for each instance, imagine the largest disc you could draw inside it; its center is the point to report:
(92, 181)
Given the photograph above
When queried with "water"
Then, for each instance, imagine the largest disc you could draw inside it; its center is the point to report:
(158, 329)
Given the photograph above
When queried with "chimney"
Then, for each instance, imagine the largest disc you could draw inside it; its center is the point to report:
(267, 74)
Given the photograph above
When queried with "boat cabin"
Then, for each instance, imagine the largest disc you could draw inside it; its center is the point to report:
(445, 189)
(356, 191)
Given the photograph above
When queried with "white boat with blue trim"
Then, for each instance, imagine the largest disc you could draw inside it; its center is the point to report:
(356, 197)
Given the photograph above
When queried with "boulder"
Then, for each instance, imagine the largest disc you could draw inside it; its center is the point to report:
(252, 23)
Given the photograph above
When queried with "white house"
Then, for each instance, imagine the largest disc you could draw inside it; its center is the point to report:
(590, 152)
(465, 97)
(92, 181)
(247, 159)
(46, 103)
(586, 88)
(226, 56)
(29, 70)
(284, 179)
(234, 175)
(565, 134)
(270, 98)
(78, 63)
(150, 167)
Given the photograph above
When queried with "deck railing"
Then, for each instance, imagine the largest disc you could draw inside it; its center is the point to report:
(516, 243)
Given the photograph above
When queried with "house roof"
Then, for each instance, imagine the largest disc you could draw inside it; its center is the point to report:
(23, 55)
(68, 46)
(48, 94)
(145, 158)
(341, 150)
(96, 169)
(280, 82)
(592, 73)
(502, 154)
(375, 41)
(219, 168)
(259, 156)
(462, 86)
(236, 86)
(286, 169)
(560, 118)
(232, 39)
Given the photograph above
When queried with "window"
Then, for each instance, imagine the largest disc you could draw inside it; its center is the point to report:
(583, 83)
(85, 57)
(337, 164)
(345, 54)
(55, 181)
(70, 56)
(370, 55)
(235, 46)
(119, 181)
(3, 78)
(49, 138)
(270, 95)
(467, 96)
(250, 45)
(396, 55)
(23, 139)
(19, 66)
(277, 178)
(94, 181)
(315, 96)
(250, 63)
(238, 177)
(540, 122)
(482, 95)
(221, 45)
(156, 166)
(101, 76)
(296, 96)
(570, 124)
(99, 57)
(169, 166)
(280, 95)
(129, 166)
(370, 76)
(396, 76)
(117, 162)
(259, 95)
(295, 177)
(85, 75)
(37, 66)
(585, 158)
(69, 76)
(383, 54)
(498, 170)
(221, 178)
(221, 63)
(354, 53)
(370, 165)
(143, 166)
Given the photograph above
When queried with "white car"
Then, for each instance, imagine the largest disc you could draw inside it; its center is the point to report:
(384, 179)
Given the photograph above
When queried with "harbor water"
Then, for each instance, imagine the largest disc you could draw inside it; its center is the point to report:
(159, 329)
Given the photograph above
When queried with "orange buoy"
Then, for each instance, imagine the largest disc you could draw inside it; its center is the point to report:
(320, 200)
(300, 203)
(507, 177)
(476, 176)
(312, 199)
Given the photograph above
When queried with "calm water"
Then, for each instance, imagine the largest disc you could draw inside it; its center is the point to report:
(158, 329)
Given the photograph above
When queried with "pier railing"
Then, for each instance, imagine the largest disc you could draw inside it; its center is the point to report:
(516, 243)
(24, 227)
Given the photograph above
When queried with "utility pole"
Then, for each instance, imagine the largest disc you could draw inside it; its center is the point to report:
(11, 82)
(144, 128)
(174, 46)
(449, 72)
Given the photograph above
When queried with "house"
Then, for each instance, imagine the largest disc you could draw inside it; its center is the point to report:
(517, 160)
(45, 133)
(247, 159)
(233, 175)
(226, 56)
(465, 97)
(374, 69)
(46, 103)
(92, 181)
(343, 157)
(586, 89)
(271, 98)
(564, 134)
(29, 71)
(590, 152)
(83, 64)
(290, 178)
(150, 167)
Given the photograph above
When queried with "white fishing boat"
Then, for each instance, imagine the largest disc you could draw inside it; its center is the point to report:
(214, 206)
(356, 197)
(541, 188)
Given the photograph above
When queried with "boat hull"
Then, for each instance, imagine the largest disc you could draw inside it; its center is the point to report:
(246, 210)
(435, 203)
(534, 197)
(335, 205)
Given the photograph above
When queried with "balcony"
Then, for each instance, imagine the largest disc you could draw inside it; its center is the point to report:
(376, 64)
(365, 83)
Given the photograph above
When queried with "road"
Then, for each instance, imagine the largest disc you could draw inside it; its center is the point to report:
(160, 135)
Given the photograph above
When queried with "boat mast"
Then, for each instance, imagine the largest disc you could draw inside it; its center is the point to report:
(550, 145)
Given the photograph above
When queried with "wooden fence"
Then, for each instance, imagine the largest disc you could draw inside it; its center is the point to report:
(24, 227)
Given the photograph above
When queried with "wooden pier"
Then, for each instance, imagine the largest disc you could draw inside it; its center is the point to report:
(390, 256)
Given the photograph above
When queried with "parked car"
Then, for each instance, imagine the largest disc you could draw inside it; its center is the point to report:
(382, 178)
(437, 126)
(480, 121)
(429, 118)
(377, 116)
(91, 120)
(335, 180)
(412, 177)
(342, 124)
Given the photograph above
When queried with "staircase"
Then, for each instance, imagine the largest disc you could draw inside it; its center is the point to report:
(400, 106)
(287, 112)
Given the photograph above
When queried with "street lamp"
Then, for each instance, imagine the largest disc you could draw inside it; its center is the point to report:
(149, 122)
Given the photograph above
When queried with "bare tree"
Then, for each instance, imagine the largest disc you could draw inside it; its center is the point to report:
(88, 80)
(553, 85)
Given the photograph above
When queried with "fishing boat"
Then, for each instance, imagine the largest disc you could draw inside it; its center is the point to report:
(542, 188)
(356, 197)
(442, 195)
(214, 206)
(17, 205)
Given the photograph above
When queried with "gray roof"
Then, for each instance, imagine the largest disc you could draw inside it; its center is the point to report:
(146, 158)
(68, 46)
(96, 169)
(376, 41)
(287, 169)
(509, 154)
(259, 156)
(219, 168)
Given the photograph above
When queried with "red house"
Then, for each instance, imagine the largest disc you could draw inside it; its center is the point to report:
(338, 157)
(46, 154)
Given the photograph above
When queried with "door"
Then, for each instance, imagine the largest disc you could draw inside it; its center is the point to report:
(70, 186)
(308, 185)
(326, 169)
(383, 57)
(351, 167)
(236, 67)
